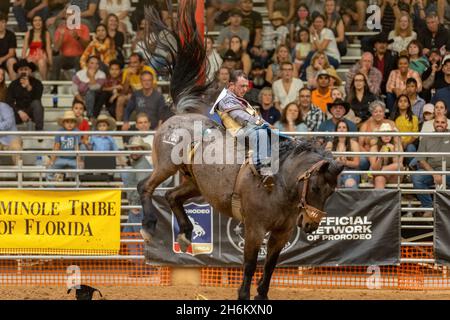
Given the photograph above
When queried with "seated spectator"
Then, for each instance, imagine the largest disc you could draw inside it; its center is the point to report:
(417, 61)
(406, 121)
(416, 101)
(338, 110)
(222, 78)
(231, 60)
(26, 10)
(112, 89)
(102, 46)
(428, 114)
(383, 163)
(323, 40)
(112, 25)
(335, 80)
(244, 62)
(131, 80)
(25, 94)
(377, 110)
(301, 21)
(86, 87)
(440, 109)
(322, 95)
(104, 142)
(373, 76)
(218, 11)
(121, 9)
(275, 34)
(402, 34)
(273, 72)
(434, 36)
(258, 76)
(432, 163)
(267, 109)
(285, 7)
(37, 47)
(8, 45)
(360, 97)
(88, 13)
(253, 21)
(79, 109)
(335, 23)
(291, 119)
(214, 59)
(3, 87)
(396, 84)
(302, 48)
(68, 122)
(433, 75)
(70, 45)
(319, 62)
(235, 28)
(148, 100)
(286, 89)
(384, 60)
(312, 115)
(354, 12)
(8, 123)
(344, 144)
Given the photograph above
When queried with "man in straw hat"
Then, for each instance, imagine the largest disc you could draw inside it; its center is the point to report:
(69, 122)
(25, 94)
(131, 179)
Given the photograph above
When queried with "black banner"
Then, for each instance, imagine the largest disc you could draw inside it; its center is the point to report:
(442, 227)
(362, 228)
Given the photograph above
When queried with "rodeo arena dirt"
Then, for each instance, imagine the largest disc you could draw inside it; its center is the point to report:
(143, 176)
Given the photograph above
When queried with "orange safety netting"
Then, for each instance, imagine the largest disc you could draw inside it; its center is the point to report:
(406, 276)
(103, 271)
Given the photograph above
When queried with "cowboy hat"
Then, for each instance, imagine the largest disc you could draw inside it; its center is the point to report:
(332, 73)
(24, 63)
(338, 102)
(381, 37)
(68, 115)
(386, 127)
(137, 141)
(104, 118)
(230, 55)
(277, 15)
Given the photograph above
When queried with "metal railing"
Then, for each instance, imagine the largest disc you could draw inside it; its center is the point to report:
(76, 185)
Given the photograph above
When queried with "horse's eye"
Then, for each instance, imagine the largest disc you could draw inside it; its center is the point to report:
(316, 189)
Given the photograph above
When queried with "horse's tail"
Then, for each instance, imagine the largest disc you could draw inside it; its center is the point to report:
(182, 53)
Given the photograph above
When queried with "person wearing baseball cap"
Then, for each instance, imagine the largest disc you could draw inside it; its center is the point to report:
(234, 28)
(322, 95)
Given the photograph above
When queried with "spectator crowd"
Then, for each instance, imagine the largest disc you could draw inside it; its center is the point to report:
(294, 61)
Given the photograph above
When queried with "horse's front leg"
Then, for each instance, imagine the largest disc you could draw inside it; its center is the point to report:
(176, 198)
(253, 241)
(275, 244)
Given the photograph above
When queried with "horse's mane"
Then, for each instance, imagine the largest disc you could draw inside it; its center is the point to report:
(296, 146)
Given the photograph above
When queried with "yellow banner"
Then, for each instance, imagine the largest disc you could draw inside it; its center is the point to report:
(60, 222)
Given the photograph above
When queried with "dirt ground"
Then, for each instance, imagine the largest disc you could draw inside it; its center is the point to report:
(190, 293)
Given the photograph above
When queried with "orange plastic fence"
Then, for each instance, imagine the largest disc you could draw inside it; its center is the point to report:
(406, 276)
(104, 271)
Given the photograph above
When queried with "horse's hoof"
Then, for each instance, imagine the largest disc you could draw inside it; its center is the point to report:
(259, 297)
(146, 236)
(183, 242)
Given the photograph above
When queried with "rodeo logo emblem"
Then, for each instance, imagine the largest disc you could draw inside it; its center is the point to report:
(236, 236)
(201, 217)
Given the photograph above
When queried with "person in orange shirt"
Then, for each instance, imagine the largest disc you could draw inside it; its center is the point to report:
(322, 95)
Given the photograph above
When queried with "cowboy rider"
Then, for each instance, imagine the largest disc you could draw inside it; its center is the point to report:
(240, 118)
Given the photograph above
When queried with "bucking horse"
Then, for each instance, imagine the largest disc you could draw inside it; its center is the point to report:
(306, 178)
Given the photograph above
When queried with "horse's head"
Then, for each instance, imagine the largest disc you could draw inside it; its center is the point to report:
(315, 186)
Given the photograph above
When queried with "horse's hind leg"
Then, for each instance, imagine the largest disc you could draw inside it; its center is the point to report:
(176, 198)
(253, 241)
(275, 244)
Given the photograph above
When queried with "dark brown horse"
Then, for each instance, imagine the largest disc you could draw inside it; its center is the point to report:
(307, 174)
